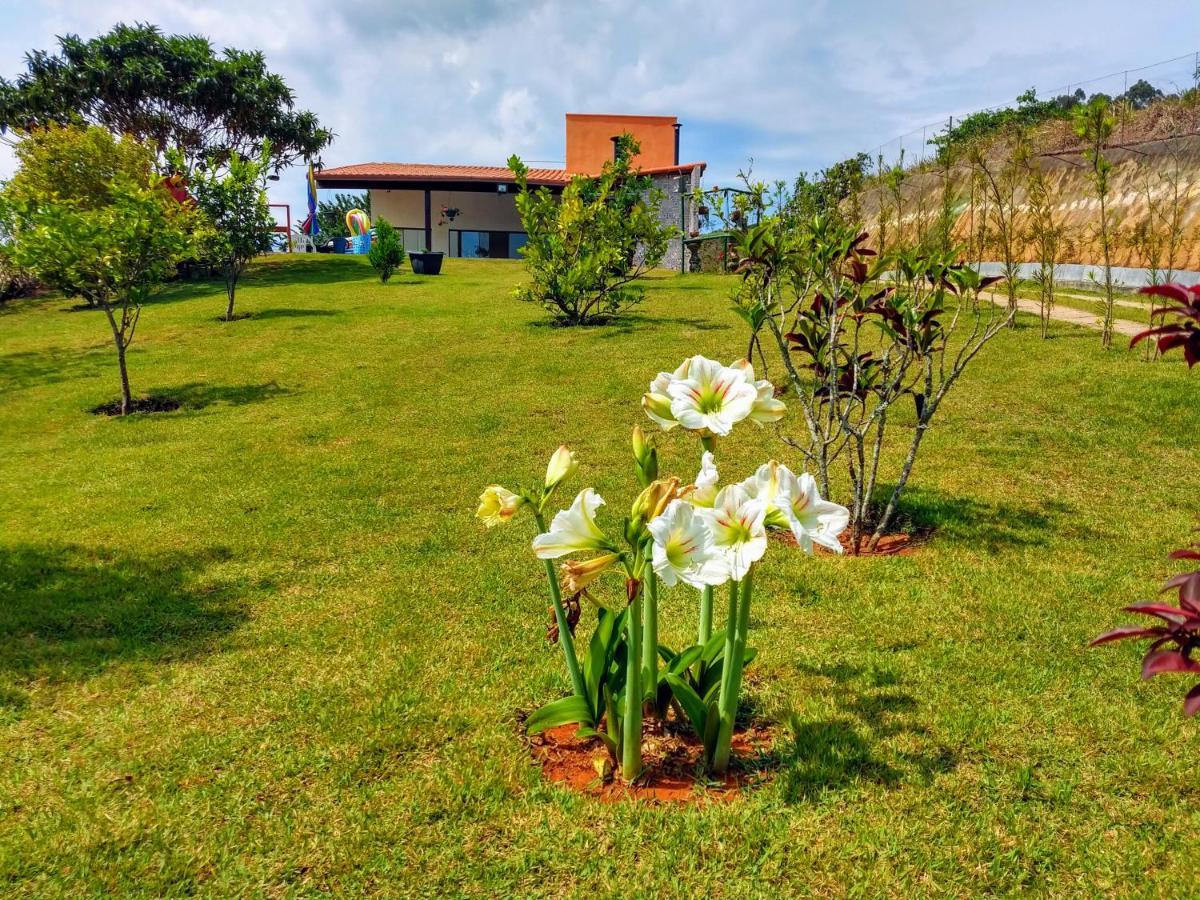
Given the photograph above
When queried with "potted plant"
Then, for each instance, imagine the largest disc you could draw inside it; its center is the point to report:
(426, 262)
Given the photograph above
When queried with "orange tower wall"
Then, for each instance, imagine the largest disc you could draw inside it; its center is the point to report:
(589, 140)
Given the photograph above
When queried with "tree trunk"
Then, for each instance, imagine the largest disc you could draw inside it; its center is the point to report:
(230, 288)
(119, 340)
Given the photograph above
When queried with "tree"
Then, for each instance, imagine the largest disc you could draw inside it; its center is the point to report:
(111, 244)
(1000, 166)
(234, 201)
(173, 91)
(386, 253)
(1094, 122)
(587, 248)
(1141, 94)
(331, 214)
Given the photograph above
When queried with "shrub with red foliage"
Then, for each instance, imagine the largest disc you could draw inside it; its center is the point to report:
(1172, 642)
(1185, 330)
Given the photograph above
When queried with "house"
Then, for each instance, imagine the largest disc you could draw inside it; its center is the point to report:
(469, 211)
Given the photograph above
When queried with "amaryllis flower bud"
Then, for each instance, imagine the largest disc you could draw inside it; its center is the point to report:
(562, 464)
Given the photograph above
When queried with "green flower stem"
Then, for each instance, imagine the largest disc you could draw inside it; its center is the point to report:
(566, 640)
(631, 743)
(731, 680)
(706, 611)
(650, 635)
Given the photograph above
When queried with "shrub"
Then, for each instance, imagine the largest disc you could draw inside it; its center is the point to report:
(14, 281)
(386, 253)
(586, 249)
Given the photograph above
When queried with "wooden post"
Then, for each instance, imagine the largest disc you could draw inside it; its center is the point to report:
(428, 219)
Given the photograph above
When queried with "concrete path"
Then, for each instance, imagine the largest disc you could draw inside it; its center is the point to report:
(1070, 314)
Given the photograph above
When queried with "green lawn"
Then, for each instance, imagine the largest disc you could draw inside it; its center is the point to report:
(261, 645)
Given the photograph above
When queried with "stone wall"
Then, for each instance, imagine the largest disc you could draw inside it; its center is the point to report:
(678, 211)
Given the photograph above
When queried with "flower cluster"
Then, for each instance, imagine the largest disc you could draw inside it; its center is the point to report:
(700, 534)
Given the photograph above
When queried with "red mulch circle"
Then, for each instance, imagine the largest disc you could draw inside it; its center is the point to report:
(901, 543)
(671, 757)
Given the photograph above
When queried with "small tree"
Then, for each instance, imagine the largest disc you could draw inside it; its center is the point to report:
(1045, 234)
(587, 248)
(1094, 122)
(386, 253)
(112, 242)
(235, 204)
(999, 165)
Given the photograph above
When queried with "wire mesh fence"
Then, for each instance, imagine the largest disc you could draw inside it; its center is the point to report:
(1140, 87)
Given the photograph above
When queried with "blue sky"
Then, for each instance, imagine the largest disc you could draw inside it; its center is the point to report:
(795, 86)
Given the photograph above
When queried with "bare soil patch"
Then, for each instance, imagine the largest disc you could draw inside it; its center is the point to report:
(672, 757)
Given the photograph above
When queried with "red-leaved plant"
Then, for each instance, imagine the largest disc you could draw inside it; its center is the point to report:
(1185, 330)
(1172, 642)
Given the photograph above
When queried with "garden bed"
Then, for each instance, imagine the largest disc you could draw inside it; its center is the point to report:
(673, 770)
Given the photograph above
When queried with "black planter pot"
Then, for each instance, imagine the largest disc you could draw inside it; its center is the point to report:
(425, 263)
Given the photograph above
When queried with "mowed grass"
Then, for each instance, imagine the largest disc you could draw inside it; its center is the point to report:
(261, 645)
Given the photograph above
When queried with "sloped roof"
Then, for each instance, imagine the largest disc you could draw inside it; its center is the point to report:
(419, 172)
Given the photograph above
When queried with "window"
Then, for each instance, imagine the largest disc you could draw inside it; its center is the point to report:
(414, 240)
(486, 244)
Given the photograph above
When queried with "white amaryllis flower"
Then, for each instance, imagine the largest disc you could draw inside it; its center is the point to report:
(574, 529)
(497, 505)
(813, 520)
(562, 464)
(766, 407)
(793, 502)
(682, 548)
(657, 402)
(706, 482)
(739, 533)
(712, 398)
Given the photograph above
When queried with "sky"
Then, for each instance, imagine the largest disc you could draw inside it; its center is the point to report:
(792, 86)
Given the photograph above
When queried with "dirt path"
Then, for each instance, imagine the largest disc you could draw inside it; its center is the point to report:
(1072, 315)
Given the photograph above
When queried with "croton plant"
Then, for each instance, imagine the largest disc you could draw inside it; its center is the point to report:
(1176, 636)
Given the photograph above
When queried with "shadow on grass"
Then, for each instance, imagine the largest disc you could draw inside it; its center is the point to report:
(292, 313)
(630, 323)
(847, 749)
(52, 365)
(67, 611)
(993, 526)
(199, 396)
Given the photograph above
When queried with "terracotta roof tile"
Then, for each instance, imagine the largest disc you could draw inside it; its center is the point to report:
(403, 172)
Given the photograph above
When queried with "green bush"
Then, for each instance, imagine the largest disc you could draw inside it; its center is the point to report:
(386, 253)
(586, 248)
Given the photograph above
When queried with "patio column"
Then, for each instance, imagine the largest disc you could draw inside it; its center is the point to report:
(428, 220)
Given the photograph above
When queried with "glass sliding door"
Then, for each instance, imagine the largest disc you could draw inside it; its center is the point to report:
(486, 244)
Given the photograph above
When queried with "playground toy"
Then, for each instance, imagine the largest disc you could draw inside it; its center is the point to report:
(357, 222)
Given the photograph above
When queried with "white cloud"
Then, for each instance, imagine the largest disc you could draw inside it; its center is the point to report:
(797, 86)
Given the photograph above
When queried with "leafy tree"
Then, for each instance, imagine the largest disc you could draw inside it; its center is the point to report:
(331, 214)
(234, 201)
(825, 192)
(112, 244)
(587, 248)
(1094, 123)
(386, 253)
(1141, 94)
(173, 91)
